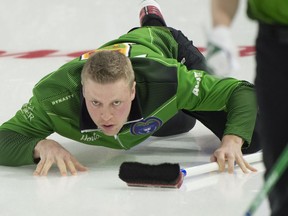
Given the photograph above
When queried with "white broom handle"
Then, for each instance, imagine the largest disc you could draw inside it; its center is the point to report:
(210, 167)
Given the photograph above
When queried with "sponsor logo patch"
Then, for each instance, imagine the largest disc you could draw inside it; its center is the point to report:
(60, 100)
(198, 77)
(90, 138)
(27, 111)
(146, 126)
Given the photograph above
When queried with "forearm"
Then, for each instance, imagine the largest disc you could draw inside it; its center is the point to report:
(223, 11)
(242, 112)
(16, 149)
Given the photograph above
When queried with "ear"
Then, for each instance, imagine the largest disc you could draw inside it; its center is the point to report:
(133, 91)
(83, 91)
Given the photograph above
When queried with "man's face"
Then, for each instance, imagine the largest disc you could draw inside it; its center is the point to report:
(109, 104)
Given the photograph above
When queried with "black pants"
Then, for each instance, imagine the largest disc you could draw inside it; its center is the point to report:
(272, 92)
(192, 58)
(184, 121)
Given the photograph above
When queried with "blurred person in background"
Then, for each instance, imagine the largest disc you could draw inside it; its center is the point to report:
(271, 77)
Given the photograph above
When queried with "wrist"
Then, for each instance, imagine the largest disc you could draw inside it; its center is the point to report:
(36, 153)
(232, 138)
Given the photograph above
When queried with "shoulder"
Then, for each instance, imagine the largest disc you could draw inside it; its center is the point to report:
(156, 69)
(63, 81)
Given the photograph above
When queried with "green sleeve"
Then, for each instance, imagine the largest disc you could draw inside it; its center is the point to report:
(242, 112)
(16, 149)
(20, 134)
(201, 92)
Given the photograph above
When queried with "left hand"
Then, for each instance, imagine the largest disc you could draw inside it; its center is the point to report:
(230, 151)
(51, 152)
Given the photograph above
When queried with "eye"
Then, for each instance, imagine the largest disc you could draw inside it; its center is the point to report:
(95, 103)
(116, 103)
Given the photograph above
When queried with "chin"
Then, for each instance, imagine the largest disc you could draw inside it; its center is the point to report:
(110, 133)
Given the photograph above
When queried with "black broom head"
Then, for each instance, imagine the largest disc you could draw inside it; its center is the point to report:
(146, 175)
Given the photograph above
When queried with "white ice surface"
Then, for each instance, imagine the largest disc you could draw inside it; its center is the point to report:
(69, 26)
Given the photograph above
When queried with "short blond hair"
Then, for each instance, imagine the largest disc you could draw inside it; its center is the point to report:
(108, 66)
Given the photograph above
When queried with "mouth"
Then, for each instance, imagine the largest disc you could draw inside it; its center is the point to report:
(107, 127)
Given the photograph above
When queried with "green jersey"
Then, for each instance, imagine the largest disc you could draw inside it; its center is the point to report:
(163, 87)
(269, 11)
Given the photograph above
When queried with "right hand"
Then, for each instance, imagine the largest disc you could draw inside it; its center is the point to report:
(50, 152)
(230, 151)
(221, 55)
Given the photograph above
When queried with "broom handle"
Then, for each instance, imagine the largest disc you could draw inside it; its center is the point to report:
(210, 167)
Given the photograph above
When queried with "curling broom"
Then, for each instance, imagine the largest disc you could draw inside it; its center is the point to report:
(168, 175)
(272, 178)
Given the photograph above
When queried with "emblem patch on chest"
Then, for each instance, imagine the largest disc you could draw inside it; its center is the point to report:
(146, 126)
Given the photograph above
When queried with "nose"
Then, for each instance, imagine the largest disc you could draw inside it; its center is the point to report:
(106, 114)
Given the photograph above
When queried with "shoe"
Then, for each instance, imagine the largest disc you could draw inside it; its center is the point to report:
(221, 55)
(150, 8)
